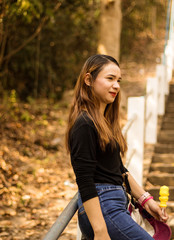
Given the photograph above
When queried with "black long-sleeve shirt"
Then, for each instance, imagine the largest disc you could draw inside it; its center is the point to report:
(92, 165)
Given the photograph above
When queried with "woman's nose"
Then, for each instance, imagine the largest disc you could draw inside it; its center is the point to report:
(116, 85)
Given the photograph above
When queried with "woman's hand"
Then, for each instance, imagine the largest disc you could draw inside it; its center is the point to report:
(153, 208)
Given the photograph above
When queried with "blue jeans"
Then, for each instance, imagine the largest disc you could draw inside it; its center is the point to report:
(120, 225)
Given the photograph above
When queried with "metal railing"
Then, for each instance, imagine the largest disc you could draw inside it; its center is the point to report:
(63, 220)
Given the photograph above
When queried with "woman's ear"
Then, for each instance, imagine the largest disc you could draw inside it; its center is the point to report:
(88, 79)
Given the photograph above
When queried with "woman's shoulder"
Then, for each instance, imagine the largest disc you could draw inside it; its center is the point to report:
(83, 130)
(83, 120)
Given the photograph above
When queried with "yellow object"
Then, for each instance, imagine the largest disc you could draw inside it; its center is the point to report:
(164, 193)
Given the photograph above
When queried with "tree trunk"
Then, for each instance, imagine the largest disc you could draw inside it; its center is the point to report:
(110, 28)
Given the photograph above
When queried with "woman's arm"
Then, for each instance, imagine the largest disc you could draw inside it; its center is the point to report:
(83, 141)
(151, 206)
(136, 189)
(95, 216)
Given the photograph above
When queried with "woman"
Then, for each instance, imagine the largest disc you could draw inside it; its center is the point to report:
(95, 142)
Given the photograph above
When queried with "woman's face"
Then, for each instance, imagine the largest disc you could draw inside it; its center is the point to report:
(107, 84)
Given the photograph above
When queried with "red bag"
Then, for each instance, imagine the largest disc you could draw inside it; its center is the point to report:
(158, 230)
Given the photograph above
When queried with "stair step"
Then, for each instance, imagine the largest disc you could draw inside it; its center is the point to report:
(154, 191)
(158, 178)
(163, 157)
(171, 91)
(170, 98)
(164, 148)
(167, 122)
(171, 87)
(170, 108)
(167, 125)
(170, 102)
(165, 136)
(169, 114)
(168, 119)
(162, 167)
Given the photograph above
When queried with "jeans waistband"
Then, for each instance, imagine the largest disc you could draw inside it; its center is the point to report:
(108, 186)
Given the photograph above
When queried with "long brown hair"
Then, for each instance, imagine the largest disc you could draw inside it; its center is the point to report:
(107, 126)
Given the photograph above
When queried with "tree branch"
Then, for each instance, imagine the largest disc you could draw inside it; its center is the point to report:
(129, 9)
(37, 31)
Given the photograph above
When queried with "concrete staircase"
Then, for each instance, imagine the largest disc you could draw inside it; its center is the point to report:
(161, 171)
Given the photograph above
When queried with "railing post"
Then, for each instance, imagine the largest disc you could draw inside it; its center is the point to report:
(166, 73)
(169, 59)
(151, 110)
(135, 138)
(173, 49)
(160, 74)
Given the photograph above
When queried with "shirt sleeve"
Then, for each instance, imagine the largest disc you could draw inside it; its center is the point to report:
(83, 143)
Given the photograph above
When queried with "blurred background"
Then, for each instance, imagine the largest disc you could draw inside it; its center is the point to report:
(43, 45)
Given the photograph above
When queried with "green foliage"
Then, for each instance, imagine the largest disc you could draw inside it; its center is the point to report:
(10, 100)
(61, 122)
(13, 99)
(26, 116)
(30, 100)
(43, 48)
(50, 62)
(42, 122)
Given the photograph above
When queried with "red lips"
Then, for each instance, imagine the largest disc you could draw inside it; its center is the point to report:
(113, 93)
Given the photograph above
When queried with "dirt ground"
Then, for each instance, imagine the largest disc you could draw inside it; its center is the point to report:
(36, 178)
